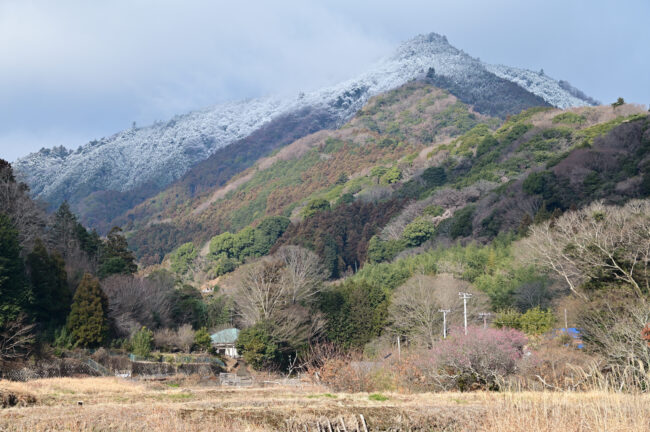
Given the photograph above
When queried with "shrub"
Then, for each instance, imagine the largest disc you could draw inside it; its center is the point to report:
(534, 321)
(461, 223)
(418, 231)
(507, 318)
(182, 258)
(569, 118)
(380, 250)
(62, 339)
(141, 342)
(314, 206)
(222, 265)
(202, 339)
(479, 360)
(539, 183)
(180, 339)
(257, 347)
(486, 145)
(433, 210)
(393, 175)
(434, 176)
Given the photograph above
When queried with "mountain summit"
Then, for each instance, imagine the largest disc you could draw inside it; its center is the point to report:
(139, 162)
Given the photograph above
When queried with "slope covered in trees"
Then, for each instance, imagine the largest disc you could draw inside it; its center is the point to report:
(392, 126)
(417, 191)
(65, 287)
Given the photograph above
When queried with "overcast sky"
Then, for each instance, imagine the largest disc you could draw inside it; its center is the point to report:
(72, 71)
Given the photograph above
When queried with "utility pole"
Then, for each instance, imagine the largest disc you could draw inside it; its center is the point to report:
(485, 316)
(566, 324)
(444, 321)
(399, 350)
(465, 297)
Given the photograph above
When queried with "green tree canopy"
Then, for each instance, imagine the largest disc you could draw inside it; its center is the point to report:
(116, 256)
(314, 206)
(182, 258)
(257, 346)
(52, 296)
(202, 339)
(15, 293)
(87, 322)
(418, 231)
(141, 342)
(356, 312)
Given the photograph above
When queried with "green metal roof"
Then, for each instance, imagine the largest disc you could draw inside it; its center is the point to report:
(226, 336)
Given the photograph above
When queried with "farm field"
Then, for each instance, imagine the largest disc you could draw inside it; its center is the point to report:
(112, 404)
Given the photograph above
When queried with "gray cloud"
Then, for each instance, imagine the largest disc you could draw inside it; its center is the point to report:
(71, 71)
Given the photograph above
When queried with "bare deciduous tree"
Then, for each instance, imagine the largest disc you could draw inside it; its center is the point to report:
(616, 333)
(598, 240)
(180, 339)
(297, 324)
(279, 290)
(134, 302)
(260, 290)
(303, 273)
(415, 306)
(28, 217)
(16, 340)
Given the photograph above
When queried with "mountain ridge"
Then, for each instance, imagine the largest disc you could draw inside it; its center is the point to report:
(150, 158)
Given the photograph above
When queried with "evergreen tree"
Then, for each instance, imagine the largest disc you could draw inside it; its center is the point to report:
(48, 277)
(356, 313)
(64, 226)
(67, 234)
(15, 294)
(202, 339)
(87, 321)
(116, 256)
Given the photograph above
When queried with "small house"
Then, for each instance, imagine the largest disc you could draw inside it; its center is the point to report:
(224, 342)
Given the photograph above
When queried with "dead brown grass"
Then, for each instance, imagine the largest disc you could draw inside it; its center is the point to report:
(118, 405)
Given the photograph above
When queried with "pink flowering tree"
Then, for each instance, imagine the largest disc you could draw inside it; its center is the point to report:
(479, 360)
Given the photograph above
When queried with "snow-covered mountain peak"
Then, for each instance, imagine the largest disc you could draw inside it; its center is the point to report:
(161, 153)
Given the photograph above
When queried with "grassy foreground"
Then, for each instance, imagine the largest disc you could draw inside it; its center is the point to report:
(118, 405)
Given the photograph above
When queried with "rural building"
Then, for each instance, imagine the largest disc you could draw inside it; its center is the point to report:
(224, 342)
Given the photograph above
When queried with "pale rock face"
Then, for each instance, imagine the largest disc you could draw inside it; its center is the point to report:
(163, 152)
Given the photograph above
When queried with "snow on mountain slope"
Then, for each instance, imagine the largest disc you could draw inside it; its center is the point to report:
(540, 84)
(161, 153)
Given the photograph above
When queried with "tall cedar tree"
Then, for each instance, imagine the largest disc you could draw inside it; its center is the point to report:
(48, 277)
(116, 257)
(87, 322)
(67, 234)
(15, 293)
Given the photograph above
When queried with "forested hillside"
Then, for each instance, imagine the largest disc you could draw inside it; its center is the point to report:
(419, 197)
(343, 240)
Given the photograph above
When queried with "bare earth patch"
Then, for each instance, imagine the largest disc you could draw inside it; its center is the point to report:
(118, 405)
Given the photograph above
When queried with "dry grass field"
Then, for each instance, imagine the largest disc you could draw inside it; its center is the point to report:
(111, 404)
